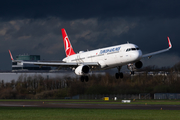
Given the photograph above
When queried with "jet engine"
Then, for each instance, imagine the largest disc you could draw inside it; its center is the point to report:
(135, 66)
(82, 70)
(138, 64)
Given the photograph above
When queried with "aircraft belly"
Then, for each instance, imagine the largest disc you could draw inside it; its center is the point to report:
(122, 59)
(110, 60)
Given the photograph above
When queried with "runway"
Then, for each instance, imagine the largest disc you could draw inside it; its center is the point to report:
(85, 105)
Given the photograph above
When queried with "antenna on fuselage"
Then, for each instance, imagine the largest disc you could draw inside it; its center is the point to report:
(127, 42)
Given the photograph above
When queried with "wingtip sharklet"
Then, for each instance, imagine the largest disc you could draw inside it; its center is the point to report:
(11, 55)
(169, 42)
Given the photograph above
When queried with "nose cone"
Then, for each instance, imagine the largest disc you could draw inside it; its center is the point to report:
(137, 55)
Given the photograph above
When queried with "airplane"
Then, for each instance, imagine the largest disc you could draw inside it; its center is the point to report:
(101, 59)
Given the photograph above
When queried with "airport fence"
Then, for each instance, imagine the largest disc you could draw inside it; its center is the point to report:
(112, 96)
(131, 96)
(167, 96)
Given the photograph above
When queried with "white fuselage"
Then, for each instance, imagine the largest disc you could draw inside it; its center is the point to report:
(108, 57)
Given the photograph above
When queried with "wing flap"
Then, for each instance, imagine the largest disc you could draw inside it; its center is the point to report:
(63, 64)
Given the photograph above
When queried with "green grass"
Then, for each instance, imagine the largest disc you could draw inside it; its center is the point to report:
(157, 102)
(148, 102)
(31, 113)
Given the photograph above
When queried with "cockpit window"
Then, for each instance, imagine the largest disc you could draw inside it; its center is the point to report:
(132, 49)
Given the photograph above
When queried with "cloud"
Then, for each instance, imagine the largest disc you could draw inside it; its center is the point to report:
(162, 60)
(3, 31)
(70, 9)
(41, 33)
(34, 27)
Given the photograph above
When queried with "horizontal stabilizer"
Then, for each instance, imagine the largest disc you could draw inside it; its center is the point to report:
(62, 64)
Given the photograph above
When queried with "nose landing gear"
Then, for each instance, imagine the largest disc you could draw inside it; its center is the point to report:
(132, 72)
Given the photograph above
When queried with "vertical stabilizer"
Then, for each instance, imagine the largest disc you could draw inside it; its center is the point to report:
(67, 45)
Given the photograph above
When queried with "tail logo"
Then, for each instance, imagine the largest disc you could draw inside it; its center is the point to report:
(68, 47)
(66, 43)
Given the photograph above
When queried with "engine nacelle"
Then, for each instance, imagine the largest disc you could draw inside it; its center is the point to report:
(135, 66)
(82, 70)
(138, 64)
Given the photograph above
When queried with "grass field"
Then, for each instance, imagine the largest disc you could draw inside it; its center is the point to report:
(147, 102)
(31, 113)
(151, 102)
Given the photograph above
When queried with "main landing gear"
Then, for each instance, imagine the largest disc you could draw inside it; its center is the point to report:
(84, 78)
(132, 72)
(119, 74)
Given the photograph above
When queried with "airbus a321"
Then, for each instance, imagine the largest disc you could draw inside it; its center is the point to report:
(100, 59)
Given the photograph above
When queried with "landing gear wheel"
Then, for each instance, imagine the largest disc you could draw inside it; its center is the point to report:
(117, 75)
(86, 78)
(82, 78)
(132, 72)
(121, 75)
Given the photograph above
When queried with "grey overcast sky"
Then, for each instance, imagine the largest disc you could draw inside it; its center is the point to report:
(34, 27)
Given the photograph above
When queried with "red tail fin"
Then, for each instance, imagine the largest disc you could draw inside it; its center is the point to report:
(67, 45)
(11, 55)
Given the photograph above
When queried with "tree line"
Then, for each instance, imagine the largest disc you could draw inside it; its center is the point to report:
(37, 87)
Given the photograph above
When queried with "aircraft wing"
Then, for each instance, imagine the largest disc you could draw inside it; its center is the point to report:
(62, 64)
(149, 55)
